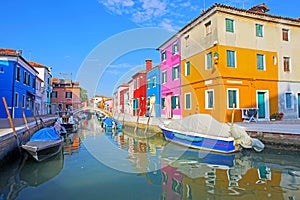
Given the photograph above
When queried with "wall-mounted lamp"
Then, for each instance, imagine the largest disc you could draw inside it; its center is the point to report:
(216, 57)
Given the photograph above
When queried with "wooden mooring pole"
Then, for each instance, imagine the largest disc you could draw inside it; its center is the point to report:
(11, 122)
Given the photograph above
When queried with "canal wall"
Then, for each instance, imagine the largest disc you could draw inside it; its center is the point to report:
(9, 144)
(274, 134)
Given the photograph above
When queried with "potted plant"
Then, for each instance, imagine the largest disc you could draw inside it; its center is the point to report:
(277, 116)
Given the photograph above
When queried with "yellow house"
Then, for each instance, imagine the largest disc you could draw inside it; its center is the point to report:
(232, 59)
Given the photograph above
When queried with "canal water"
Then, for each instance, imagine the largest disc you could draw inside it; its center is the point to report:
(136, 164)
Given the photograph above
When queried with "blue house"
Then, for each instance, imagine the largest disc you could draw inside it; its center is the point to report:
(17, 84)
(153, 92)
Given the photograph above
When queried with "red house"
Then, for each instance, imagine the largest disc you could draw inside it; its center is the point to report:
(124, 99)
(139, 93)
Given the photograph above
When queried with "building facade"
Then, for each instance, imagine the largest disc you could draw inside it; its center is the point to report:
(46, 89)
(235, 58)
(170, 75)
(153, 91)
(139, 93)
(17, 84)
(65, 95)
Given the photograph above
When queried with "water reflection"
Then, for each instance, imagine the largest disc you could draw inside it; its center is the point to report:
(197, 174)
(26, 172)
(153, 167)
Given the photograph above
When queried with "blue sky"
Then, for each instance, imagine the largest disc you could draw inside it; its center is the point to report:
(71, 35)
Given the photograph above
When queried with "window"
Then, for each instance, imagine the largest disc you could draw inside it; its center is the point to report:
(148, 84)
(175, 72)
(175, 48)
(231, 58)
(138, 83)
(163, 55)
(23, 101)
(285, 34)
(209, 99)
(229, 25)
(260, 62)
(16, 100)
(286, 64)
(68, 94)
(209, 60)
(232, 95)
(1, 69)
(154, 81)
(28, 103)
(18, 73)
(54, 94)
(208, 27)
(163, 102)
(187, 68)
(164, 77)
(175, 102)
(134, 84)
(28, 79)
(25, 77)
(187, 101)
(259, 30)
(289, 103)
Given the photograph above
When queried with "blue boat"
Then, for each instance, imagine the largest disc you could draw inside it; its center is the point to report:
(44, 144)
(111, 123)
(200, 141)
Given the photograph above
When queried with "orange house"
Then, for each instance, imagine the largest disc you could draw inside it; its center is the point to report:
(228, 64)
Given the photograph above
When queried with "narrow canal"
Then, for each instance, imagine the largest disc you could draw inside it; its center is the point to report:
(98, 165)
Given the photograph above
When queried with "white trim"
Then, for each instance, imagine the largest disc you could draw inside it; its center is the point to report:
(237, 98)
(206, 99)
(267, 104)
(206, 59)
(154, 82)
(178, 72)
(185, 104)
(298, 110)
(292, 100)
(165, 71)
(185, 68)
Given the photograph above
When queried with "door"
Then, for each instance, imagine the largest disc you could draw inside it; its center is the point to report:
(261, 103)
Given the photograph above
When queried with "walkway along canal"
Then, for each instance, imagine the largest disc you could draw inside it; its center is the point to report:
(126, 165)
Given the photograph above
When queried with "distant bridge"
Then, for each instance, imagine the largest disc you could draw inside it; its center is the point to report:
(89, 108)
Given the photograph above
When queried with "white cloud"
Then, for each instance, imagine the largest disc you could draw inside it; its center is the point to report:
(171, 15)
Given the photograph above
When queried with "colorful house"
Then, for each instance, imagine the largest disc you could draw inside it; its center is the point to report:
(139, 93)
(119, 98)
(17, 84)
(153, 90)
(46, 89)
(65, 95)
(124, 100)
(232, 59)
(170, 77)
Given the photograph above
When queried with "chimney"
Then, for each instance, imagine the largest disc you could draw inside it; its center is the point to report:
(261, 8)
(148, 65)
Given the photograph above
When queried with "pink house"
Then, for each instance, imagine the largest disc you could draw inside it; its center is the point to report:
(170, 78)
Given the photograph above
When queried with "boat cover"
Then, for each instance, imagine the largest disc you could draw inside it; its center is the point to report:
(206, 124)
(108, 121)
(45, 134)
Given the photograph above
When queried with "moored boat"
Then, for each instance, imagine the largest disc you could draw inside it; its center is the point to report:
(45, 143)
(203, 132)
(111, 123)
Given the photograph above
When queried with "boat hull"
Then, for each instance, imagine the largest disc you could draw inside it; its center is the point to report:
(43, 149)
(201, 141)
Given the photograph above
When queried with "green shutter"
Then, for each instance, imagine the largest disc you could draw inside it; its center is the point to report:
(230, 58)
(260, 62)
(173, 102)
(232, 98)
(188, 66)
(229, 25)
(209, 60)
(187, 101)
